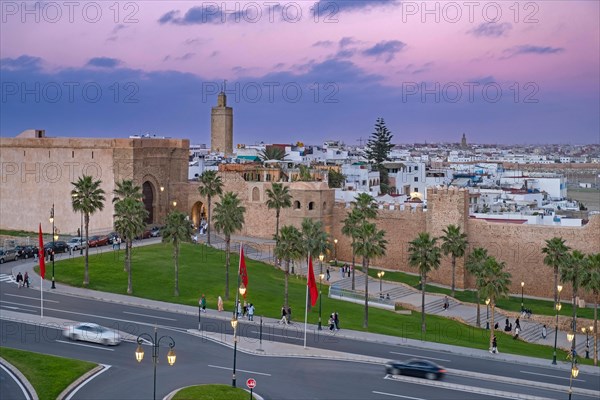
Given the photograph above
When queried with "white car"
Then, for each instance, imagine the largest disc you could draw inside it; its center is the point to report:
(76, 244)
(90, 332)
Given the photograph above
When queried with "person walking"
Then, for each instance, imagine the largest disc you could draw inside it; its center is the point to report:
(494, 346)
(331, 323)
(220, 304)
(328, 275)
(336, 320)
(446, 303)
(19, 280)
(239, 309)
(517, 324)
(544, 332)
(283, 319)
(289, 315)
(26, 279)
(203, 303)
(517, 331)
(251, 312)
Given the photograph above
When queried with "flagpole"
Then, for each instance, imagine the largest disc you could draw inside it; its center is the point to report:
(306, 302)
(42, 295)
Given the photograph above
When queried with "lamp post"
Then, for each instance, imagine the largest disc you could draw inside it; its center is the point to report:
(321, 275)
(335, 250)
(574, 373)
(558, 306)
(522, 286)
(587, 340)
(380, 275)
(487, 313)
(53, 240)
(155, 342)
(234, 322)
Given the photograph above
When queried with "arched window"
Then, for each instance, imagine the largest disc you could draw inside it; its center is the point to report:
(296, 205)
(324, 205)
(255, 194)
(311, 205)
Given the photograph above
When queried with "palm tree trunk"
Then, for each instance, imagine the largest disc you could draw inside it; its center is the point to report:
(493, 307)
(574, 344)
(478, 310)
(366, 271)
(353, 265)
(285, 287)
(128, 245)
(423, 327)
(86, 276)
(208, 223)
(227, 244)
(453, 274)
(176, 268)
(277, 235)
(555, 284)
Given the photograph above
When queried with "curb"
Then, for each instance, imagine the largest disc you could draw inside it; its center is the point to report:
(65, 394)
(174, 392)
(22, 379)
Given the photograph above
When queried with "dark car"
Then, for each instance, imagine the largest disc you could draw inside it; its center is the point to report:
(145, 235)
(414, 367)
(96, 241)
(26, 251)
(8, 255)
(155, 231)
(58, 246)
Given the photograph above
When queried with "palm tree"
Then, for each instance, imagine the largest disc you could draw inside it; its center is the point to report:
(454, 242)
(557, 254)
(210, 185)
(493, 284)
(570, 272)
(304, 174)
(272, 153)
(288, 247)
(315, 239)
(370, 243)
(177, 230)
(590, 280)
(130, 215)
(350, 228)
(127, 189)
(279, 197)
(475, 266)
(229, 218)
(87, 197)
(425, 255)
(365, 208)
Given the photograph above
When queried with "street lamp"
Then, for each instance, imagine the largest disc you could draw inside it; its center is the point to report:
(155, 342)
(335, 250)
(321, 275)
(53, 240)
(587, 340)
(574, 373)
(174, 203)
(558, 306)
(234, 322)
(522, 285)
(487, 313)
(380, 275)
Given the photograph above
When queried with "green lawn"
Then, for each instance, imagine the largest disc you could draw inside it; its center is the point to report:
(512, 303)
(49, 375)
(202, 271)
(17, 233)
(211, 392)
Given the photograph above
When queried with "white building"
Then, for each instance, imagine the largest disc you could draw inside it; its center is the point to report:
(409, 178)
(359, 177)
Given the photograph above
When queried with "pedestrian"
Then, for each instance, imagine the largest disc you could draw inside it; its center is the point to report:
(328, 275)
(331, 323)
(342, 271)
(283, 319)
(446, 303)
(348, 271)
(251, 312)
(496, 326)
(507, 327)
(220, 304)
(336, 320)
(239, 309)
(544, 332)
(289, 315)
(517, 331)
(203, 303)
(494, 345)
(19, 280)
(517, 324)
(26, 279)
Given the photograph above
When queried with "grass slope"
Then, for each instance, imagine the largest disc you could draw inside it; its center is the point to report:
(211, 392)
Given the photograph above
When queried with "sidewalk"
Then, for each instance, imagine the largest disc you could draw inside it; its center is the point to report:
(397, 292)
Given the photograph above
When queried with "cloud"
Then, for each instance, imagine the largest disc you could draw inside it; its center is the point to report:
(385, 49)
(214, 13)
(346, 41)
(323, 43)
(491, 29)
(531, 49)
(104, 62)
(113, 37)
(23, 62)
(330, 7)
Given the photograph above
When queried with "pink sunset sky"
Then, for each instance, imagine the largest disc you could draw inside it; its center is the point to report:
(378, 55)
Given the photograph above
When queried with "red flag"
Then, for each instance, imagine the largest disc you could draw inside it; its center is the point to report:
(312, 284)
(242, 271)
(41, 254)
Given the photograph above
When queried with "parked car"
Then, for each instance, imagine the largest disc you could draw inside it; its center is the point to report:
(26, 251)
(145, 235)
(96, 241)
(91, 332)
(8, 255)
(58, 246)
(76, 243)
(155, 232)
(415, 367)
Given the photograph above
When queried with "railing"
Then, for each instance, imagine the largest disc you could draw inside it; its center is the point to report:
(359, 297)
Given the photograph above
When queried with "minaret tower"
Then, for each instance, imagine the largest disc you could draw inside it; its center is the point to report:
(221, 126)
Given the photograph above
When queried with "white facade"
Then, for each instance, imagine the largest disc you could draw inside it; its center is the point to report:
(408, 178)
(359, 177)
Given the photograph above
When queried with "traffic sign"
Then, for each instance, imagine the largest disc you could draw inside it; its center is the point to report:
(251, 383)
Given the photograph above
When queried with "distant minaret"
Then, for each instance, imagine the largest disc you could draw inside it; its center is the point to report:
(463, 142)
(221, 126)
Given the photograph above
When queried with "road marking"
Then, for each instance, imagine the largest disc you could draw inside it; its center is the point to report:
(85, 345)
(19, 304)
(32, 298)
(274, 334)
(7, 278)
(397, 395)
(240, 370)
(420, 356)
(26, 393)
(551, 376)
(70, 396)
(148, 316)
(9, 307)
